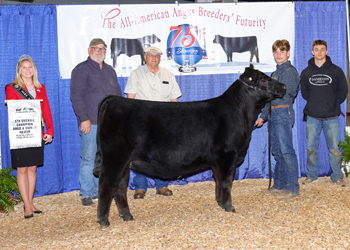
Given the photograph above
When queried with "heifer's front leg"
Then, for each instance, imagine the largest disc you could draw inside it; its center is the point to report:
(226, 202)
(143, 62)
(229, 57)
(120, 197)
(223, 183)
(105, 194)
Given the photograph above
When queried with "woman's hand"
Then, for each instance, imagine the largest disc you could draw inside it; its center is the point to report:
(47, 138)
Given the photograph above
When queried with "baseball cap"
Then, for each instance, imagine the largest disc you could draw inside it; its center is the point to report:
(153, 50)
(97, 41)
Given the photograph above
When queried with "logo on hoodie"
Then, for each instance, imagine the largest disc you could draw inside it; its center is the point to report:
(320, 80)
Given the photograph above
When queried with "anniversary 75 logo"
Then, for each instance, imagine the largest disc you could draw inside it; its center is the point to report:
(186, 46)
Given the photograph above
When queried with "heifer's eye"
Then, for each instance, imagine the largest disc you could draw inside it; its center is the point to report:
(263, 79)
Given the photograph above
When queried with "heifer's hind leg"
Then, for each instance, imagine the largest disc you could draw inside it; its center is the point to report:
(120, 196)
(217, 186)
(105, 195)
(114, 57)
(256, 53)
(98, 164)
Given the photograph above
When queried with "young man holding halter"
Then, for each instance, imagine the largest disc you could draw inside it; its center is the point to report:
(286, 184)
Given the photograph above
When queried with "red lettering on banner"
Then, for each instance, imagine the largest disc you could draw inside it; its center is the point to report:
(250, 22)
(214, 14)
(108, 17)
(125, 22)
(149, 17)
(220, 15)
(183, 13)
(200, 11)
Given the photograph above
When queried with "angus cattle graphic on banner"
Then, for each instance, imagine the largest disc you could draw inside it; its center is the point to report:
(211, 38)
(131, 47)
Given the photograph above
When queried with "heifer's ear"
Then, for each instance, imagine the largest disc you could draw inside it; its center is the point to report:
(251, 66)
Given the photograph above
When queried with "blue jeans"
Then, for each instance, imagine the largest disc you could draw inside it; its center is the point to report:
(140, 182)
(88, 148)
(331, 131)
(286, 169)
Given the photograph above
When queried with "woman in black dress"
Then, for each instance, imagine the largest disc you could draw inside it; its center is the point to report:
(26, 160)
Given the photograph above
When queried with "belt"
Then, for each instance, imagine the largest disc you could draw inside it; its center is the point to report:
(280, 106)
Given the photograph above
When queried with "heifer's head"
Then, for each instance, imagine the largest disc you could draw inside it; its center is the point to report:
(216, 39)
(257, 80)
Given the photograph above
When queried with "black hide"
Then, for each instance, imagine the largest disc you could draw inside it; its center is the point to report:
(131, 47)
(166, 140)
(238, 44)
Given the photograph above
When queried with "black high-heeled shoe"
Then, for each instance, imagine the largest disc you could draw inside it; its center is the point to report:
(36, 211)
(28, 216)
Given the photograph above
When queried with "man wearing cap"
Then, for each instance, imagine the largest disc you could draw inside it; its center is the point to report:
(90, 81)
(153, 83)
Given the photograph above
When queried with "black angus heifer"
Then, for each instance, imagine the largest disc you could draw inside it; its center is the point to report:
(238, 44)
(166, 140)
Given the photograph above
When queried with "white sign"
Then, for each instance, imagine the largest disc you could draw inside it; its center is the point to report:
(195, 38)
(24, 123)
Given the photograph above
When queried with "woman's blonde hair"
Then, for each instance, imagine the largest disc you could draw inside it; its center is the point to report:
(18, 80)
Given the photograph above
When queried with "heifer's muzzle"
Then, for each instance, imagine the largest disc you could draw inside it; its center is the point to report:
(278, 89)
(273, 90)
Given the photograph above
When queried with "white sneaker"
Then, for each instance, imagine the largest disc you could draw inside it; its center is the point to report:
(271, 191)
(308, 181)
(286, 195)
(340, 182)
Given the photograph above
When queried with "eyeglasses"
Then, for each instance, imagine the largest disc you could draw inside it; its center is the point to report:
(97, 49)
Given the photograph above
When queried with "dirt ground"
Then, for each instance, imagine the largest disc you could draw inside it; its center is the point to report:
(190, 219)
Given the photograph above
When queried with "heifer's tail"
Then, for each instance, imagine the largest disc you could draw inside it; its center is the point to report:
(98, 158)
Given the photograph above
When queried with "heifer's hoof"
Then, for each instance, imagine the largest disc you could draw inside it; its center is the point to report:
(127, 217)
(230, 209)
(104, 225)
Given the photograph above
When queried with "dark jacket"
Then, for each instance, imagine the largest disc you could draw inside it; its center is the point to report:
(89, 83)
(288, 75)
(324, 88)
